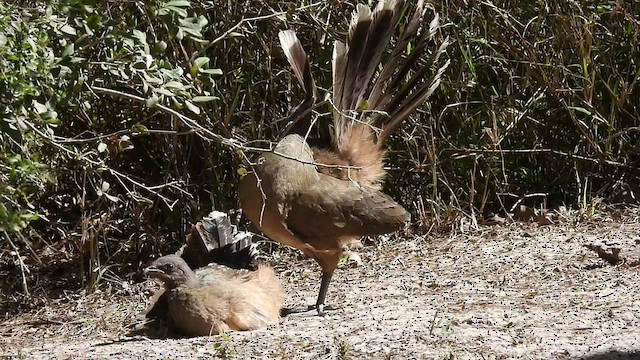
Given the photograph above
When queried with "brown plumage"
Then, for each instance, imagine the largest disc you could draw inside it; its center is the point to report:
(214, 298)
(320, 199)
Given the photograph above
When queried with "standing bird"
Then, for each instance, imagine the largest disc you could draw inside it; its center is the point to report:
(320, 199)
(215, 298)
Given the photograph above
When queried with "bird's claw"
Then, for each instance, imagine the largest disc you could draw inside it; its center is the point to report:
(320, 308)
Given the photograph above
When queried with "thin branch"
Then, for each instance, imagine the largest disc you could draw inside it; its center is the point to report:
(23, 267)
(210, 135)
(242, 22)
(193, 124)
(64, 140)
(539, 151)
(110, 170)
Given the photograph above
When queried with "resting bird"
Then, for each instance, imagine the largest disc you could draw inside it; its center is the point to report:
(320, 199)
(214, 298)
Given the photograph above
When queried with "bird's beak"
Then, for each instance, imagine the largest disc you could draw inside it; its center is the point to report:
(152, 271)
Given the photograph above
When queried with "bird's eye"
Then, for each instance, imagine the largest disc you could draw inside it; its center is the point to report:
(169, 267)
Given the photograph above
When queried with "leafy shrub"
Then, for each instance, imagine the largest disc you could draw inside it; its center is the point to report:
(26, 87)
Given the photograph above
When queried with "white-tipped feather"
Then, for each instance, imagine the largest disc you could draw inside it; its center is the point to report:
(288, 40)
(361, 14)
(339, 64)
(298, 60)
(434, 25)
(356, 45)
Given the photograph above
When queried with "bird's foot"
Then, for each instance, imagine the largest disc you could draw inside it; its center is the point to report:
(321, 308)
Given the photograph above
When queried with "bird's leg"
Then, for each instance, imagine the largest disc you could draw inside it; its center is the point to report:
(319, 306)
(324, 286)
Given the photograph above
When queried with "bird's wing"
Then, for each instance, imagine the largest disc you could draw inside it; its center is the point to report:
(220, 274)
(199, 310)
(337, 208)
(158, 305)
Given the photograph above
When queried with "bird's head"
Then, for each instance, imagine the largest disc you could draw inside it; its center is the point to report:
(172, 270)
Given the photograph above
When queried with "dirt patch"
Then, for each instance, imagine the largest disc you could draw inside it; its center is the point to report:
(507, 292)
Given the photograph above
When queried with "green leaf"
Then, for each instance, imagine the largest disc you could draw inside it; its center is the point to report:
(105, 186)
(139, 35)
(152, 101)
(202, 21)
(182, 3)
(139, 65)
(40, 108)
(161, 46)
(175, 85)
(152, 80)
(137, 129)
(194, 33)
(112, 198)
(68, 50)
(67, 29)
(580, 109)
(64, 71)
(211, 71)
(199, 99)
(164, 92)
(194, 109)
(124, 145)
(201, 61)
(177, 10)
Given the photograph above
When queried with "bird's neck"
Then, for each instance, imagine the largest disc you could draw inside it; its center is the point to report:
(190, 277)
(186, 279)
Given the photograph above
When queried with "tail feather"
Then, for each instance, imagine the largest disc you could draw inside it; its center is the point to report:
(348, 63)
(401, 100)
(412, 103)
(354, 67)
(417, 50)
(339, 64)
(356, 46)
(370, 103)
(412, 59)
(405, 99)
(298, 60)
(396, 56)
(377, 42)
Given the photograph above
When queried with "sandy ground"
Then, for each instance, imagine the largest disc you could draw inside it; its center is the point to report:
(516, 291)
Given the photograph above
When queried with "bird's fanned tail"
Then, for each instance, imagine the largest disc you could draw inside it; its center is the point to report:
(375, 87)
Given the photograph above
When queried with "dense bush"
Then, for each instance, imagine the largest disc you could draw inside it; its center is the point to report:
(124, 122)
(542, 101)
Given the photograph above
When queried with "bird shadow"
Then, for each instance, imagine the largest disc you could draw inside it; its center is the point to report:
(612, 355)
